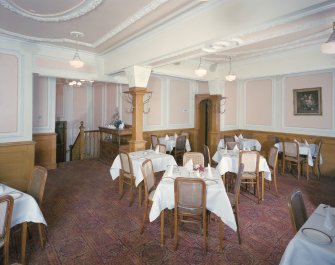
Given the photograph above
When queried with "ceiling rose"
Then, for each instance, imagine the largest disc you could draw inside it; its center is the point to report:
(39, 10)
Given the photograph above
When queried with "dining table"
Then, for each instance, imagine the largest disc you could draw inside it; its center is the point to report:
(314, 242)
(243, 144)
(228, 161)
(25, 209)
(160, 162)
(309, 150)
(217, 200)
(170, 143)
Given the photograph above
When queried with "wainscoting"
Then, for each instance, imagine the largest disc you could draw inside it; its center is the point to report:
(45, 151)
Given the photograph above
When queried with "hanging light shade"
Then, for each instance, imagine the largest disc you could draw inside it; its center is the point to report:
(329, 46)
(76, 62)
(231, 76)
(200, 71)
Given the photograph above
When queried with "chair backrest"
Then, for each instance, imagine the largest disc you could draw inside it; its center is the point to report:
(148, 176)
(126, 164)
(187, 134)
(318, 153)
(291, 149)
(297, 210)
(6, 209)
(231, 145)
(154, 141)
(161, 148)
(228, 138)
(190, 194)
(207, 156)
(250, 159)
(37, 183)
(238, 181)
(181, 142)
(273, 158)
(196, 157)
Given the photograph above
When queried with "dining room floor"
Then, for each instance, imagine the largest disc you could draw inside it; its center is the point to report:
(88, 224)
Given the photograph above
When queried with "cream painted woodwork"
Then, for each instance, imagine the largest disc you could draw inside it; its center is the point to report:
(45, 150)
(16, 164)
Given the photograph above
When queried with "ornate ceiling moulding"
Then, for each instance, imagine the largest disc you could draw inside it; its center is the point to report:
(78, 9)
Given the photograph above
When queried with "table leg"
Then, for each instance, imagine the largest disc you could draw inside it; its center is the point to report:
(162, 228)
(24, 228)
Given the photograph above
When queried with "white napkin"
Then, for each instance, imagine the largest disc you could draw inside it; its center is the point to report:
(240, 137)
(170, 170)
(157, 149)
(224, 150)
(236, 150)
(236, 138)
(167, 137)
(306, 143)
(209, 170)
(295, 140)
(329, 219)
(189, 165)
(121, 126)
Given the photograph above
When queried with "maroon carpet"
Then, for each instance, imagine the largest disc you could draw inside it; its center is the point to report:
(88, 224)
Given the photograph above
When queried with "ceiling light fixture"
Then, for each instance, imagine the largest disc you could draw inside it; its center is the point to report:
(329, 46)
(230, 77)
(200, 71)
(76, 62)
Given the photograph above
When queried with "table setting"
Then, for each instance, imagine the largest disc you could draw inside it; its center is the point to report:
(243, 143)
(170, 142)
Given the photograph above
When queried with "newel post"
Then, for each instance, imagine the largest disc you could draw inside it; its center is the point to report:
(82, 141)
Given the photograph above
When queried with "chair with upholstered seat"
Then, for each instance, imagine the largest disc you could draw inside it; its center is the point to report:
(149, 187)
(196, 157)
(228, 138)
(297, 210)
(231, 145)
(154, 141)
(316, 161)
(250, 176)
(207, 156)
(36, 189)
(273, 164)
(187, 134)
(292, 157)
(161, 148)
(6, 210)
(190, 205)
(179, 149)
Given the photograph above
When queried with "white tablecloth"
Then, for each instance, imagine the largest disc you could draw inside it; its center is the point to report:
(159, 161)
(25, 207)
(243, 144)
(171, 143)
(309, 150)
(301, 250)
(228, 162)
(217, 200)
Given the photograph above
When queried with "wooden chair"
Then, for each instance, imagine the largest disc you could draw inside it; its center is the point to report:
(297, 210)
(231, 145)
(291, 155)
(196, 157)
(250, 176)
(154, 141)
(190, 205)
(207, 156)
(228, 138)
(127, 177)
(233, 198)
(273, 164)
(6, 210)
(36, 188)
(316, 161)
(187, 134)
(161, 148)
(180, 149)
(149, 191)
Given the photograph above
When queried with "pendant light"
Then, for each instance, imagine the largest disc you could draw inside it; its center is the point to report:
(230, 77)
(76, 62)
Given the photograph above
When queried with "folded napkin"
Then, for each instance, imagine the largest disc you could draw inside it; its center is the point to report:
(157, 149)
(236, 150)
(189, 165)
(236, 138)
(170, 171)
(224, 150)
(240, 137)
(306, 143)
(167, 137)
(209, 170)
(329, 219)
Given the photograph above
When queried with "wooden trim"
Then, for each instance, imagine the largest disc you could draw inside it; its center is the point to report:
(45, 150)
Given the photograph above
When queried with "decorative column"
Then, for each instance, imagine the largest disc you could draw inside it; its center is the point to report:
(138, 77)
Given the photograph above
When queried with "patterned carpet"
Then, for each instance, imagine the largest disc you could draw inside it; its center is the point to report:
(88, 224)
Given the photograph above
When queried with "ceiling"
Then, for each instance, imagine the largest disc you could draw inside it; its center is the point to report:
(110, 24)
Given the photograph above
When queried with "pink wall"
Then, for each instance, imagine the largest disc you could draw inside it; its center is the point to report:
(230, 116)
(79, 107)
(203, 87)
(126, 115)
(40, 101)
(154, 116)
(98, 105)
(8, 93)
(323, 80)
(59, 101)
(111, 94)
(258, 108)
(179, 101)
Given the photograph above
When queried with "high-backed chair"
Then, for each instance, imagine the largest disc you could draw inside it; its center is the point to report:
(149, 185)
(36, 188)
(273, 164)
(127, 177)
(190, 205)
(6, 210)
(179, 149)
(187, 134)
(154, 141)
(228, 138)
(250, 176)
(161, 148)
(297, 210)
(316, 161)
(207, 156)
(291, 155)
(196, 157)
(231, 145)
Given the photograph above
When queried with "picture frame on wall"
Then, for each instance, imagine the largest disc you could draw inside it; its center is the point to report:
(307, 101)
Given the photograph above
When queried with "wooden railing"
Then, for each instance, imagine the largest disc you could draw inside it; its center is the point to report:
(86, 145)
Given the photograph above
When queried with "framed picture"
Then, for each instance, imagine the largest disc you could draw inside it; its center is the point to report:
(307, 101)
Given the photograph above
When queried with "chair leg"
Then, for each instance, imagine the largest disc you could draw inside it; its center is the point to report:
(120, 186)
(283, 166)
(175, 231)
(140, 191)
(41, 231)
(307, 170)
(258, 191)
(204, 228)
(275, 181)
(132, 184)
(220, 235)
(298, 171)
(238, 227)
(6, 254)
(144, 215)
(162, 228)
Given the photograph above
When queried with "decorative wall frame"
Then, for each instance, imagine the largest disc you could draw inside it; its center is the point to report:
(307, 101)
